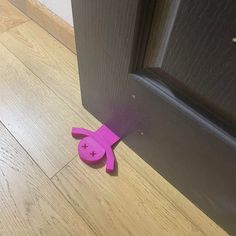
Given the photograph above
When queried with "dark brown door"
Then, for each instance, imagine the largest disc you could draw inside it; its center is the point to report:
(194, 42)
(162, 75)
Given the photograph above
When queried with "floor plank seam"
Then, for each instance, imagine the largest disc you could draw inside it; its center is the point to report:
(170, 201)
(31, 19)
(51, 89)
(50, 179)
(61, 169)
(47, 177)
(13, 27)
(87, 223)
(24, 149)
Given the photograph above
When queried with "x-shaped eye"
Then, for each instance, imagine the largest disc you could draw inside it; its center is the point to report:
(85, 146)
(93, 153)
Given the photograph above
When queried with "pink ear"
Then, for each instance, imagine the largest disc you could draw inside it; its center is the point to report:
(110, 163)
(80, 132)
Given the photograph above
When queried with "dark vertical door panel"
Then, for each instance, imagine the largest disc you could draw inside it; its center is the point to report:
(197, 49)
(105, 32)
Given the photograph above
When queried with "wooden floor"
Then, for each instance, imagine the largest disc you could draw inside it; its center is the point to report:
(44, 188)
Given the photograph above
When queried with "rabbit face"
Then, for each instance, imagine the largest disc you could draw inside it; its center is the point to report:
(90, 150)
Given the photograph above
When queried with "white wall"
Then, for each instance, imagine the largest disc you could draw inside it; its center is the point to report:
(61, 8)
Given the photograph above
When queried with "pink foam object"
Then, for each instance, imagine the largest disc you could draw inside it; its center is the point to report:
(95, 145)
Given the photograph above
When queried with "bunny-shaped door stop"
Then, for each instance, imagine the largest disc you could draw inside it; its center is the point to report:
(95, 145)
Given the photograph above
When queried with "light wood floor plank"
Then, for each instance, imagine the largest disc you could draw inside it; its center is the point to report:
(159, 184)
(123, 205)
(47, 58)
(41, 53)
(52, 23)
(10, 16)
(30, 204)
(34, 115)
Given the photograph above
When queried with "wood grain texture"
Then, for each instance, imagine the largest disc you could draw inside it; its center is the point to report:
(56, 26)
(54, 64)
(10, 16)
(30, 204)
(127, 203)
(139, 195)
(159, 184)
(34, 115)
(200, 54)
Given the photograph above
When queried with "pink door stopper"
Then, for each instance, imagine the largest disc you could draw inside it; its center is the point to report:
(95, 145)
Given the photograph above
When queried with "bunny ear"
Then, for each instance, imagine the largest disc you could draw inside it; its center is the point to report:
(80, 132)
(110, 163)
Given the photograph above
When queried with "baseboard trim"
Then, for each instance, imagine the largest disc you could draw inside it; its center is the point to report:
(52, 23)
